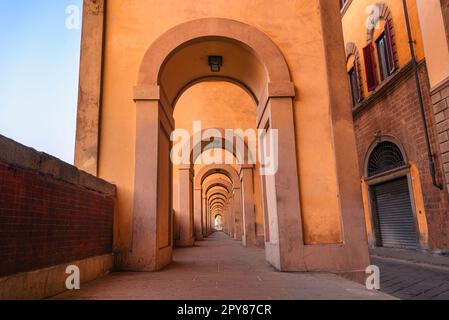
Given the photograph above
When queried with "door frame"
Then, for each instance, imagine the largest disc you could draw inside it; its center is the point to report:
(385, 177)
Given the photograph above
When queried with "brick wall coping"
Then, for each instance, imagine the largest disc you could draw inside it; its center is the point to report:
(17, 155)
(440, 86)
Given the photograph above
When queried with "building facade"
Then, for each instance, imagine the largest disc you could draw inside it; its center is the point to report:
(399, 112)
(347, 100)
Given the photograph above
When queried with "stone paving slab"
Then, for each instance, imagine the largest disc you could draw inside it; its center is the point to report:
(409, 280)
(221, 269)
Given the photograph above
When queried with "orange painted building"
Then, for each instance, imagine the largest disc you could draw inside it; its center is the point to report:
(401, 139)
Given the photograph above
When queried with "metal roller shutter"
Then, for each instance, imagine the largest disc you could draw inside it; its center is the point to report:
(396, 224)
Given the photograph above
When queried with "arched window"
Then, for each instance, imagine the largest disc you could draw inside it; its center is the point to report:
(343, 3)
(380, 53)
(353, 68)
(385, 156)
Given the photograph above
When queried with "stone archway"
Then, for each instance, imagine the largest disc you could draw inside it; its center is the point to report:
(205, 215)
(243, 197)
(221, 200)
(201, 191)
(190, 215)
(265, 73)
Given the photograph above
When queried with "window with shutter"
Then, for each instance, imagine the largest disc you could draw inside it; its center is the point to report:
(382, 53)
(357, 80)
(354, 85)
(389, 40)
(370, 66)
(385, 52)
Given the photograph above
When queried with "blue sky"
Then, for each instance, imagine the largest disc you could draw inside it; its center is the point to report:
(39, 62)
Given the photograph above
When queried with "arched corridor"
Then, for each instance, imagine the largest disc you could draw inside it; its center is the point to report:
(226, 150)
(297, 201)
(216, 269)
(167, 70)
(175, 63)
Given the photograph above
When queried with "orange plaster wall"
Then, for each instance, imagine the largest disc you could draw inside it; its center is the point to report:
(420, 209)
(367, 210)
(354, 30)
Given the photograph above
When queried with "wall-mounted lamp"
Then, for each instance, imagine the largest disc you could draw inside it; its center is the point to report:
(215, 63)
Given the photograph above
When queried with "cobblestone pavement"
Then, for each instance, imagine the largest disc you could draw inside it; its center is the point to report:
(413, 281)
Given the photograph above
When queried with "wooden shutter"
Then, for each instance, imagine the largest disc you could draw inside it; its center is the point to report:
(370, 66)
(357, 78)
(392, 62)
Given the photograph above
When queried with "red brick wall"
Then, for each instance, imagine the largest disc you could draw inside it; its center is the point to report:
(46, 222)
(397, 113)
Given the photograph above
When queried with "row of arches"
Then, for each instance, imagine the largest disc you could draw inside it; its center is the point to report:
(174, 63)
(230, 194)
(257, 65)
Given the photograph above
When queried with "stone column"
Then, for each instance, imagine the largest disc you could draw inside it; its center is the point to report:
(231, 209)
(231, 214)
(209, 214)
(186, 218)
(226, 221)
(280, 189)
(205, 216)
(152, 238)
(249, 215)
(237, 208)
(210, 224)
(199, 221)
(89, 95)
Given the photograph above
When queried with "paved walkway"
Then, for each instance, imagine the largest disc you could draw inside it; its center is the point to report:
(221, 269)
(413, 280)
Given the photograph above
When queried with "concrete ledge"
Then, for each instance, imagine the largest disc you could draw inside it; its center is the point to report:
(50, 281)
(17, 155)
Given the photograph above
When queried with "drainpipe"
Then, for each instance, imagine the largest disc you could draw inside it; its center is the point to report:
(421, 101)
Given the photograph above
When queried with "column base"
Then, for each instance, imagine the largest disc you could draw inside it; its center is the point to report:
(185, 243)
(253, 243)
(143, 261)
(199, 237)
